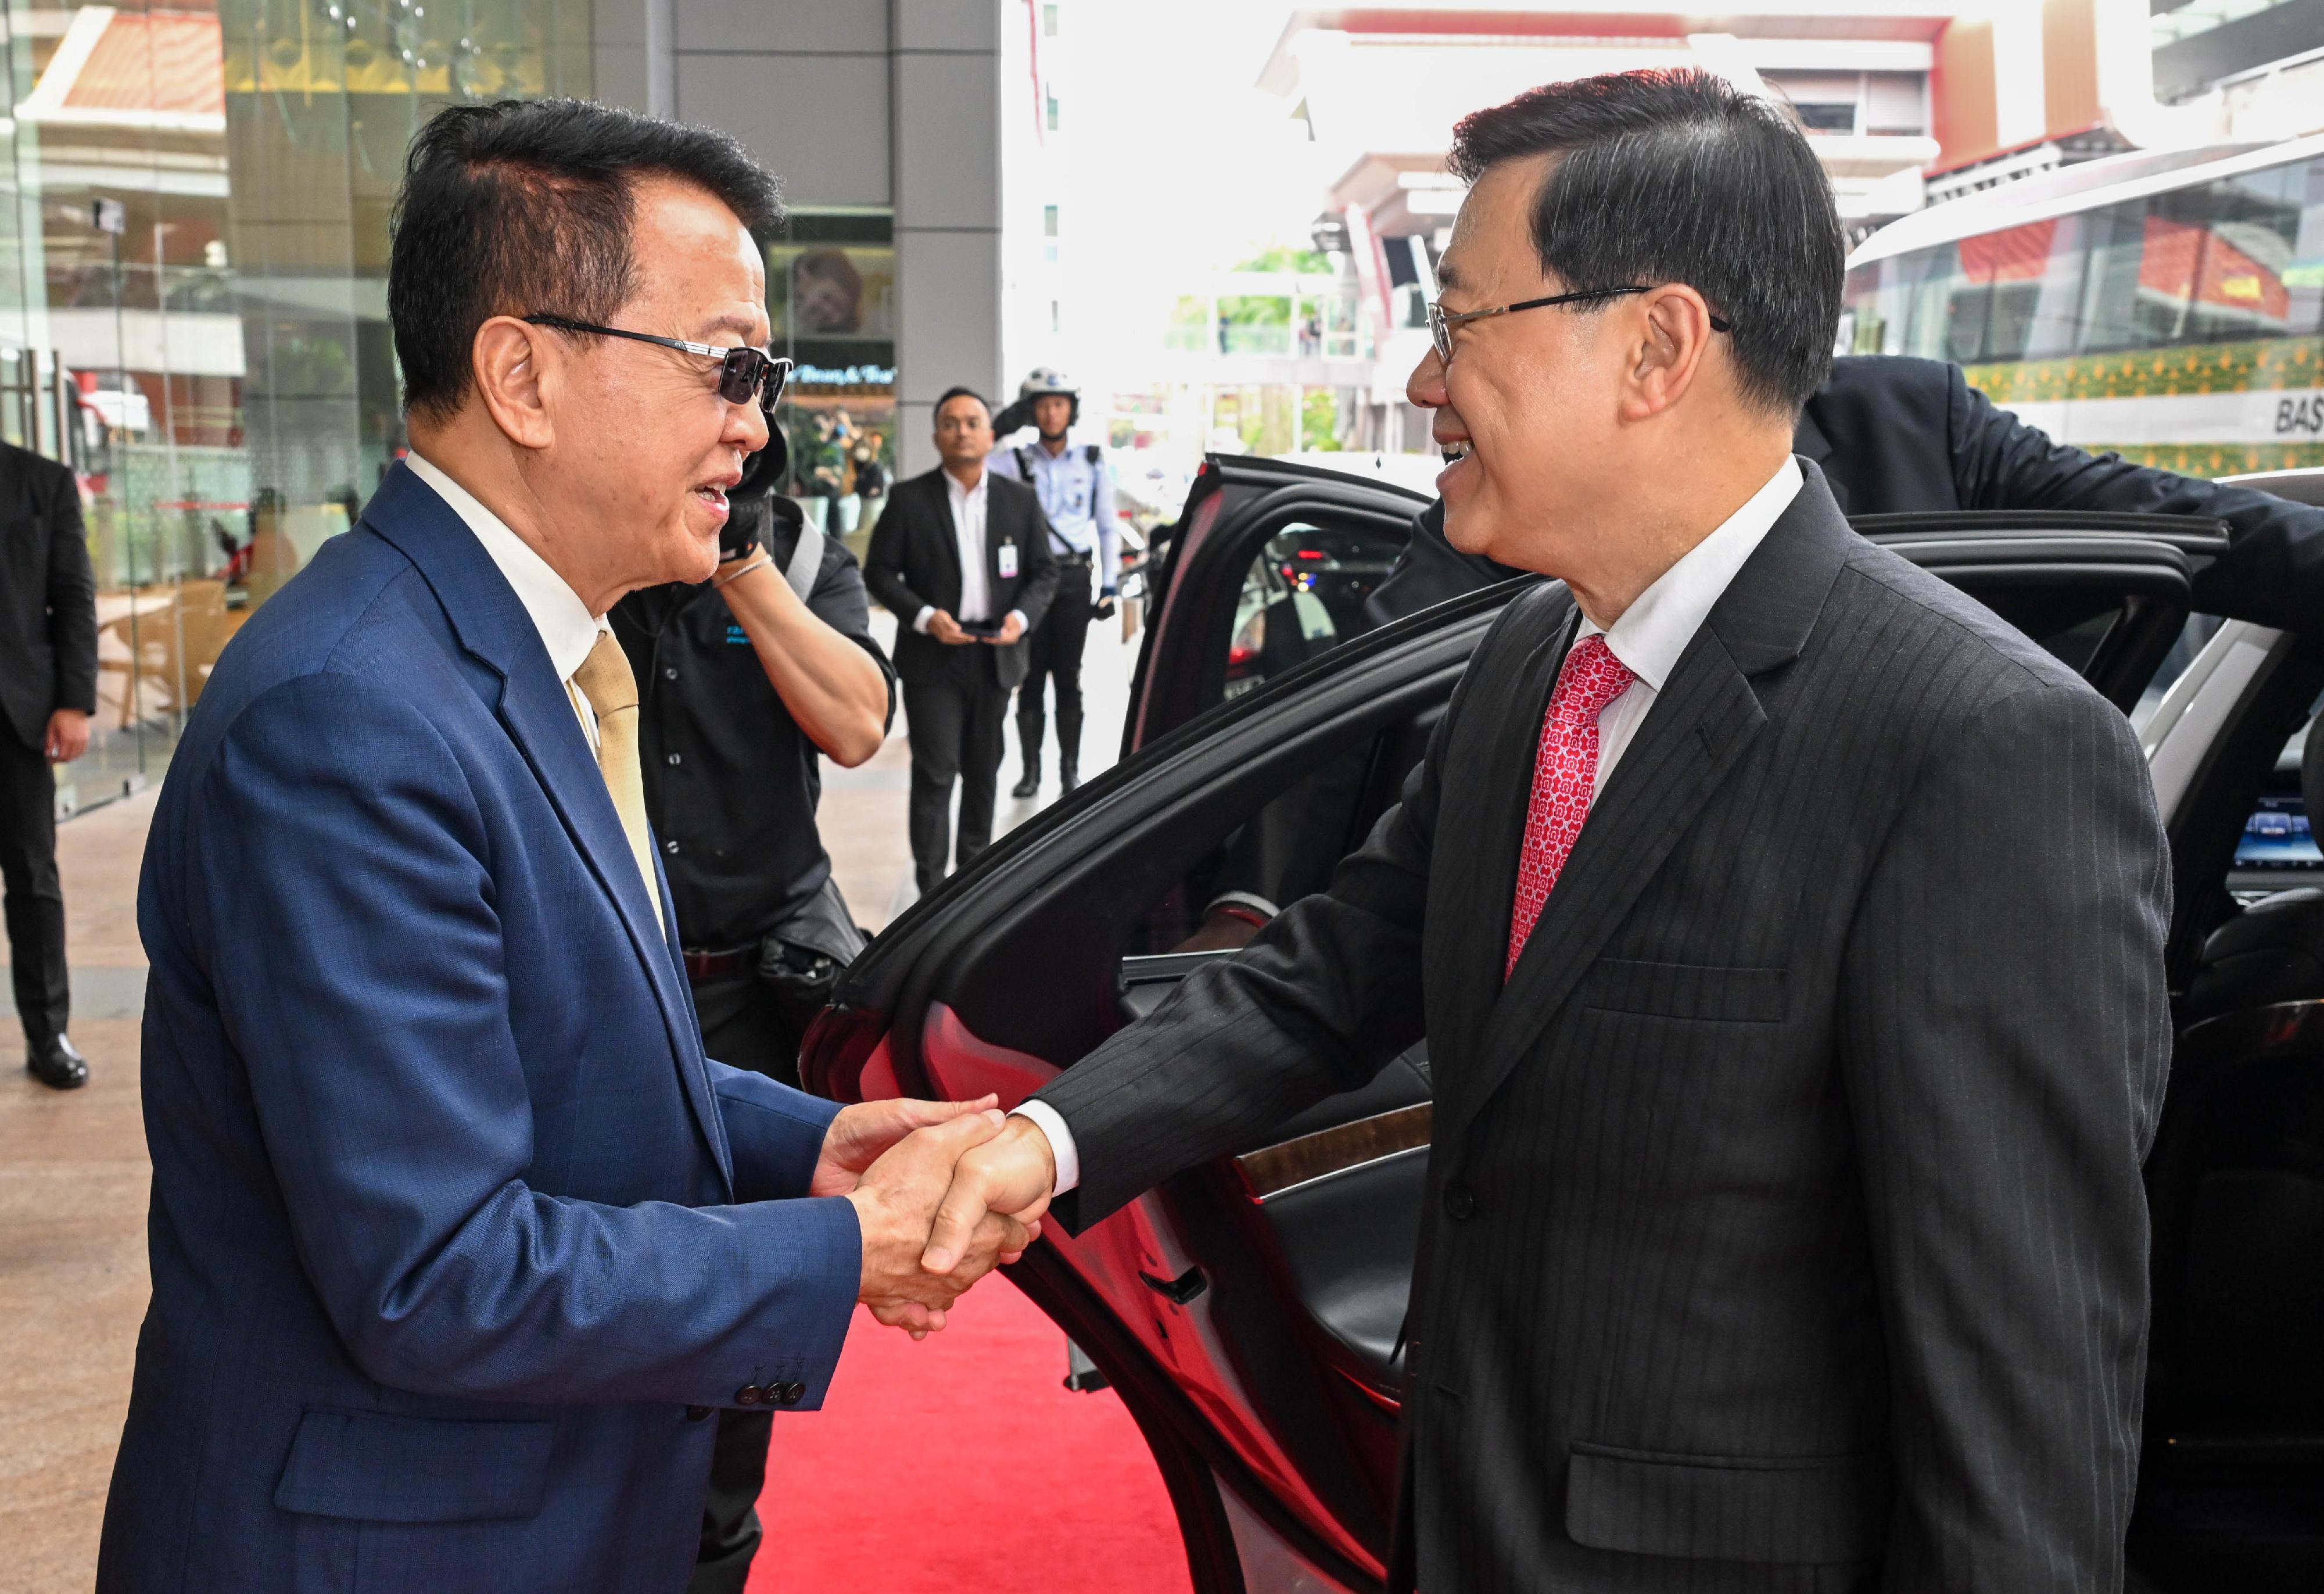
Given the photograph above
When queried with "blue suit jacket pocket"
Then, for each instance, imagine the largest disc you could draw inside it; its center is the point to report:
(1769, 1509)
(1685, 990)
(375, 1468)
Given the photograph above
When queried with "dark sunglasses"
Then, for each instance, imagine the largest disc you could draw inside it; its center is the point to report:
(743, 374)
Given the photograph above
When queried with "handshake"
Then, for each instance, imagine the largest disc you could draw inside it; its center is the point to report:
(943, 1191)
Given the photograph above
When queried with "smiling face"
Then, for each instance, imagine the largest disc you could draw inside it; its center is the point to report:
(644, 448)
(1526, 409)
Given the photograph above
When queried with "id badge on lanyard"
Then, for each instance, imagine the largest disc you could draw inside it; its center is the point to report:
(1009, 561)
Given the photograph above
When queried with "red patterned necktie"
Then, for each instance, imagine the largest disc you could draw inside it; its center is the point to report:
(1562, 774)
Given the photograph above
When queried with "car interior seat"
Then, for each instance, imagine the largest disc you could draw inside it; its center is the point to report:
(2231, 1488)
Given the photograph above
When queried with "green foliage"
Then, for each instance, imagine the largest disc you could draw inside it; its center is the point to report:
(1283, 257)
(1319, 421)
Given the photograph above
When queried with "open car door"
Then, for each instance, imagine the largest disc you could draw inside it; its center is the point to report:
(1268, 566)
(1249, 1310)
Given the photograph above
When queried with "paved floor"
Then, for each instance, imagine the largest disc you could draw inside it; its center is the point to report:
(73, 1171)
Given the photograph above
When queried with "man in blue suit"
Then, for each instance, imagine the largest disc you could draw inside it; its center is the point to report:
(457, 1237)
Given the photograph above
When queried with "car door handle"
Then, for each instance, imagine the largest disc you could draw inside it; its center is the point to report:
(1179, 1290)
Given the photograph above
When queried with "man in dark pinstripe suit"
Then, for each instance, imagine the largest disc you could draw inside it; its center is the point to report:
(1786, 932)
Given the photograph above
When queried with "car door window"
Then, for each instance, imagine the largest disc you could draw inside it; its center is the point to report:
(1302, 596)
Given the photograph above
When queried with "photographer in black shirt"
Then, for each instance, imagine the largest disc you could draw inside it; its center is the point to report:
(742, 681)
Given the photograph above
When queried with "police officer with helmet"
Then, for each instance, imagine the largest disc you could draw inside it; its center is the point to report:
(743, 681)
(1075, 487)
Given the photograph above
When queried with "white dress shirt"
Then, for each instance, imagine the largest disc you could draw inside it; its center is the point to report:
(1651, 634)
(568, 630)
(1647, 637)
(968, 537)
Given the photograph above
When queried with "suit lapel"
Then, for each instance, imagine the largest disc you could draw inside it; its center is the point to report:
(1475, 885)
(948, 537)
(1706, 717)
(541, 719)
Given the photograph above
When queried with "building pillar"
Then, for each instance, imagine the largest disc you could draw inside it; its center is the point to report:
(946, 88)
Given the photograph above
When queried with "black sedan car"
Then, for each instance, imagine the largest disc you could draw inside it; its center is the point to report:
(1249, 1312)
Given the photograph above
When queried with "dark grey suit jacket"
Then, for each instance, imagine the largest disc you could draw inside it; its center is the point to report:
(48, 596)
(1785, 1226)
(914, 560)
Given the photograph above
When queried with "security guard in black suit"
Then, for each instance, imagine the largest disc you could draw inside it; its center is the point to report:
(744, 682)
(48, 691)
(961, 558)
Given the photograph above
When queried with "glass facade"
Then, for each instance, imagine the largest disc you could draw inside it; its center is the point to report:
(831, 300)
(193, 297)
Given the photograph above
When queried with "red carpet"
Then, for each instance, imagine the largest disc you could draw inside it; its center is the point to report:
(961, 1465)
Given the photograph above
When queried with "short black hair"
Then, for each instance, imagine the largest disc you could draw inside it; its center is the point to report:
(524, 208)
(1676, 176)
(953, 393)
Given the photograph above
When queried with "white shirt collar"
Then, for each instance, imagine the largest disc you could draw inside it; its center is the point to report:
(1655, 629)
(568, 630)
(959, 493)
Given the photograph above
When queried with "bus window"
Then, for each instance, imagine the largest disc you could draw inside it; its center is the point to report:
(2219, 251)
(2034, 287)
(2121, 308)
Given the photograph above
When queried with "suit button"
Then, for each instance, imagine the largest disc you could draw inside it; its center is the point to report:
(794, 1392)
(674, 758)
(669, 673)
(696, 1413)
(750, 1394)
(670, 847)
(1460, 1201)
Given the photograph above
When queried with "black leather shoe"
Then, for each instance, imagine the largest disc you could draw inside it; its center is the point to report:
(59, 1065)
(1030, 786)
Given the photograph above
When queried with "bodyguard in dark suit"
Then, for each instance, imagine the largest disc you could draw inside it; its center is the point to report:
(961, 558)
(1786, 932)
(1894, 434)
(48, 691)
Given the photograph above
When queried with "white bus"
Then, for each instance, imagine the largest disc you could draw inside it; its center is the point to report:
(2168, 305)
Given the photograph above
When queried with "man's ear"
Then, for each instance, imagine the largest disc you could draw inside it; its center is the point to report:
(517, 369)
(1671, 336)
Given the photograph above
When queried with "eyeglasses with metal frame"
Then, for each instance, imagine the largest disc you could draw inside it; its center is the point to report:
(743, 372)
(1442, 321)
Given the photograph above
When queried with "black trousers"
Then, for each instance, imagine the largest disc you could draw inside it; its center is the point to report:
(35, 899)
(745, 1024)
(955, 729)
(1054, 652)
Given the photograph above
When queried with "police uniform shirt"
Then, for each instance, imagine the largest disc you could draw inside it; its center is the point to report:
(731, 782)
(1077, 495)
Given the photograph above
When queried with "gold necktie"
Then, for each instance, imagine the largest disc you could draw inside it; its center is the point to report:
(604, 679)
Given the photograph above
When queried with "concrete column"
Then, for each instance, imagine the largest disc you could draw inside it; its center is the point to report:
(630, 52)
(945, 89)
(803, 84)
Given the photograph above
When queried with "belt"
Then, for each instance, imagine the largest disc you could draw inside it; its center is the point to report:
(1073, 558)
(703, 964)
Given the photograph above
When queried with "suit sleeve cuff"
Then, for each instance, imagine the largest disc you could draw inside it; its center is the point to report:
(920, 620)
(775, 1133)
(1052, 1123)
